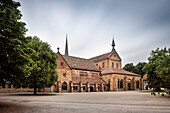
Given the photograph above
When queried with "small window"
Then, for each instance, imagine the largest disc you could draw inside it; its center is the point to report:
(114, 55)
(64, 74)
(117, 65)
(97, 65)
(112, 65)
(103, 64)
(94, 74)
(83, 74)
(61, 63)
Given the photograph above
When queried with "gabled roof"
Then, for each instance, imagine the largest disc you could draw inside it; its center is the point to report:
(80, 63)
(91, 80)
(117, 71)
(101, 57)
(104, 56)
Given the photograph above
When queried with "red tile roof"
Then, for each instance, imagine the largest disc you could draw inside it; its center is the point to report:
(145, 77)
(91, 80)
(80, 63)
(101, 57)
(117, 71)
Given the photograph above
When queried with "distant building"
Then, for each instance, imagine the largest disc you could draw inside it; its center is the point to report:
(145, 83)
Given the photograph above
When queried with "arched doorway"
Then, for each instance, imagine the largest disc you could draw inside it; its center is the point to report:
(91, 89)
(129, 86)
(64, 86)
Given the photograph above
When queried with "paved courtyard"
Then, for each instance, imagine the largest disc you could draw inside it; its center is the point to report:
(94, 102)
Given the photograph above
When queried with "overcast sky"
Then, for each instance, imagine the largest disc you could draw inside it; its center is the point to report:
(139, 26)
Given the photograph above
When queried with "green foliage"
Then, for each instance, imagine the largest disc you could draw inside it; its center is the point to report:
(158, 68)
(24, 61)
(135, 69)
(139, 67)
(13, 58)
(42, 65)
(129, 67)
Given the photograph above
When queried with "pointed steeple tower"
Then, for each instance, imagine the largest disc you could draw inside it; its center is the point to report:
(113, 44)
(66, 47)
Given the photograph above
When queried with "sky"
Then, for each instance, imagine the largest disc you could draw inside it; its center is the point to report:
(138, 26)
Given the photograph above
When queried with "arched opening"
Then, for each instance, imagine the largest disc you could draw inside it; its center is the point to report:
(118, 84)
(91, 89)
(64, 86)
(129, 86)
(121, 83)
(137, 84)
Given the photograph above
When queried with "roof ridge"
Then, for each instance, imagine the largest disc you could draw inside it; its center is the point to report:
(76, 57)
(100, 55)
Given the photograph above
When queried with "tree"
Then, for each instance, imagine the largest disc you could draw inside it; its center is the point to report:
(43, 64)
(129, 67)
(135, 69)
(138, 68)
(158, 69)
(13, 59)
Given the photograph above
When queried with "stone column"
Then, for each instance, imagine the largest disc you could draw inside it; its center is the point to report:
(101, 87)
(59, 87)
(115, 82)
(111, 84)
(71, 86)
(96, 87)
(133, 82)
(125, 83)
(81, 87)
(141, 84)
(87, 87)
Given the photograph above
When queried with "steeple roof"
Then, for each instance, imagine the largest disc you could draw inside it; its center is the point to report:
(66, 47)
(113, 45)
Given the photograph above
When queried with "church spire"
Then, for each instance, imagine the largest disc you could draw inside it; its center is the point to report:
(113, 44)
(66, 47)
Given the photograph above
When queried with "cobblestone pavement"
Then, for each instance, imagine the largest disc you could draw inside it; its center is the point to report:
(94, 102)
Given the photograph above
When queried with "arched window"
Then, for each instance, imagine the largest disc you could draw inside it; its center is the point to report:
(64, 86)
(121, 83)
(103, 64)
(117, 65)
(112, 65)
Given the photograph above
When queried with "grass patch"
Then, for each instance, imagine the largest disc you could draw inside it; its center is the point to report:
(152, 91)
(34, 95)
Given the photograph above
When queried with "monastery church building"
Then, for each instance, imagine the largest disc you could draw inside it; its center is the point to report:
(100, 73)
